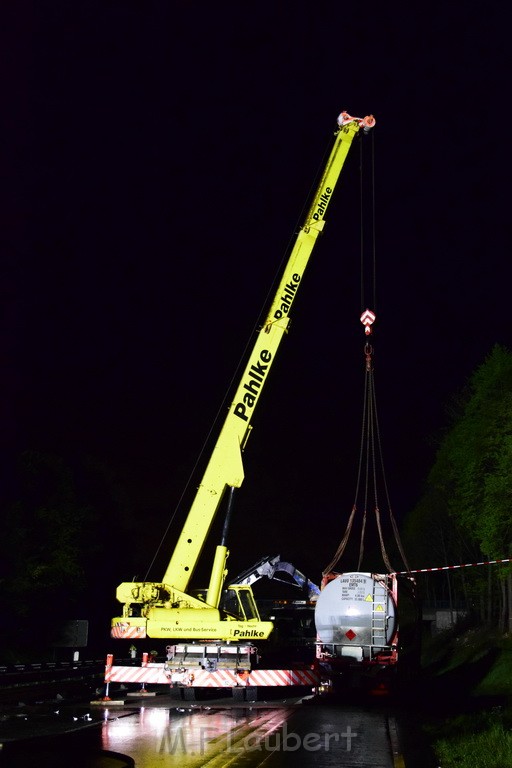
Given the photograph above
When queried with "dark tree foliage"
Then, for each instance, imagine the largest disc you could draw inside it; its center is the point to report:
(58, 559)
(465, 512)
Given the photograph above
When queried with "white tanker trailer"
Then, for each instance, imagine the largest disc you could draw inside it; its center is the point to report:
(368, 625)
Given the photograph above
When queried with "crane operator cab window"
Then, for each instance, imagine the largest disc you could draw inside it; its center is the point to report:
(239, 602)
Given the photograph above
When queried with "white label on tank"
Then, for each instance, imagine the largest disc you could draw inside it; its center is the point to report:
(353, 588)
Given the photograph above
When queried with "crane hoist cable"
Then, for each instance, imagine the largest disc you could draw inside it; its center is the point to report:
(371, 473)
(371, 477)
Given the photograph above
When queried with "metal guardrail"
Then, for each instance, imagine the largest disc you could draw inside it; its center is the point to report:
(48, 673)
(18, 669)
(10, 669)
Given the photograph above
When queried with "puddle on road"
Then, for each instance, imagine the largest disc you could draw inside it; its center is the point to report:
(152, 737)
(187, 737)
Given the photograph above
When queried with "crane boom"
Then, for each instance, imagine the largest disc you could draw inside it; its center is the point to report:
(160, 603)
(225, 467)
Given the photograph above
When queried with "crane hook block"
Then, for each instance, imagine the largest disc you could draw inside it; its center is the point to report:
(367, 319)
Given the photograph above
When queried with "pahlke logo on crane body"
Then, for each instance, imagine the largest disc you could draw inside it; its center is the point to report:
(256, 376)
(288, 296)
(247, 633)
(322, 204)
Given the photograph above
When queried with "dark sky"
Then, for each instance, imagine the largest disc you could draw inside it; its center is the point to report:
(157, 161)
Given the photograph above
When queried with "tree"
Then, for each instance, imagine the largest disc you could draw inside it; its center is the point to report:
(480, 452)
(57, 563)
(42, 533)
(471, 480)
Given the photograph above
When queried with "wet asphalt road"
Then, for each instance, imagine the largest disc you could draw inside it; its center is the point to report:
(160, 732)
(251, 737)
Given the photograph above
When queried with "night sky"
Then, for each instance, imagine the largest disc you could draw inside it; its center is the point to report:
(157, 161)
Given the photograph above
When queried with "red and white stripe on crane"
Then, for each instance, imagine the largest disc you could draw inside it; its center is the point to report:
(222, 678)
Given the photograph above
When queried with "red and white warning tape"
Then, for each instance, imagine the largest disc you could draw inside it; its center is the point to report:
(451, 567)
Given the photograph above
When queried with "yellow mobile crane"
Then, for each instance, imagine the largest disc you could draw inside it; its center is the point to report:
(168, 609)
